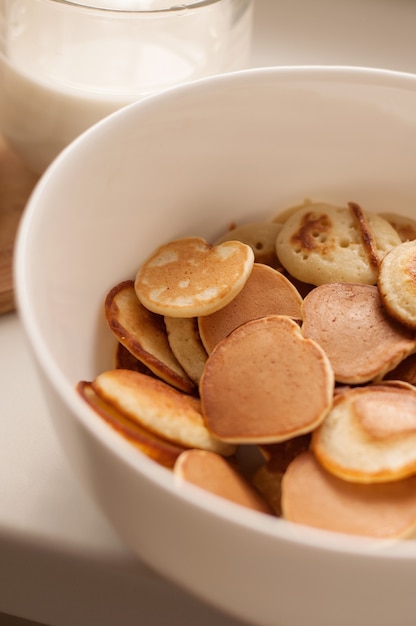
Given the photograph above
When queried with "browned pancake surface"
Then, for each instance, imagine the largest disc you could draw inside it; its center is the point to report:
(157, 407)
(261, 237)
(266, 292)
(189, 277)
(265, 383)
(350, 323)
(397, 283)
(320, 243)
(370, 434)
(143, 333)
(186, 345)
(160, 450)
(215, 474)
(314, 497)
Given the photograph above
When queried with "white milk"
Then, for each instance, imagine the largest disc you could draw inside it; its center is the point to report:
(52, 88)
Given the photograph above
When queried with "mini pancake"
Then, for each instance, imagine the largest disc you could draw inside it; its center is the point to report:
(156, 448)
(397, 283)
(321, 243)
(157, 407)
(189, 277)
(349, 322)
(313, 497)
(186, 345)
(143, 333)
(265, 383)
(261, 237)
(266, 292)
(216, 475)
(370, 434)
(405, 226)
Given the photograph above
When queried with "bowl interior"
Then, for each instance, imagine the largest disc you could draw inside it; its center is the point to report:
(190, 162)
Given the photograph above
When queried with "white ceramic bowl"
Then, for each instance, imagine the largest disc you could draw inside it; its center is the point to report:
(189, 162)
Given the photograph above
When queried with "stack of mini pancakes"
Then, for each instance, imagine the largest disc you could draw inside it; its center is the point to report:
(293, 338)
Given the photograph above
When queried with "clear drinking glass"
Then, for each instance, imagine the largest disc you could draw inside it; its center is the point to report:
(66, 64)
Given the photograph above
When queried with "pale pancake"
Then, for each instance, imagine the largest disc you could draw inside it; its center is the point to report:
(397, 283)
(157, 407)
(266, 292)
(320, 243)
(361, 340)
(370, 434)
(143, 333)
(216, 475)
(160, 450)
(189, 277)
(260, 236)
(313, 497)
(405, 226)
(186, 345)
(265, 383)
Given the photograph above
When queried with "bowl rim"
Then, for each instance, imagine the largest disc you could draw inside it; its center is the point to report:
(171, 8)
(188, 494)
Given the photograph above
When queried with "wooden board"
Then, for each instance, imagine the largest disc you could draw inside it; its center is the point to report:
(16, 184)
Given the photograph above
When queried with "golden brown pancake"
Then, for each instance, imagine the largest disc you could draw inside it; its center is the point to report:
(157, 407)
(265, 383)
(397, 283)
(320, 243)
(349, 322)
(266, 292)
(143, 333)
(189, 277)
(215, 474)
(314, 497)
(160, 450)
(186, 345)
(370, 434)
(260, 236)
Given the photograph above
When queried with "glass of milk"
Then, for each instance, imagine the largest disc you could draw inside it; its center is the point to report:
(64, 64)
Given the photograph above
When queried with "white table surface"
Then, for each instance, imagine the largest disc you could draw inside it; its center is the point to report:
(60, 562)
